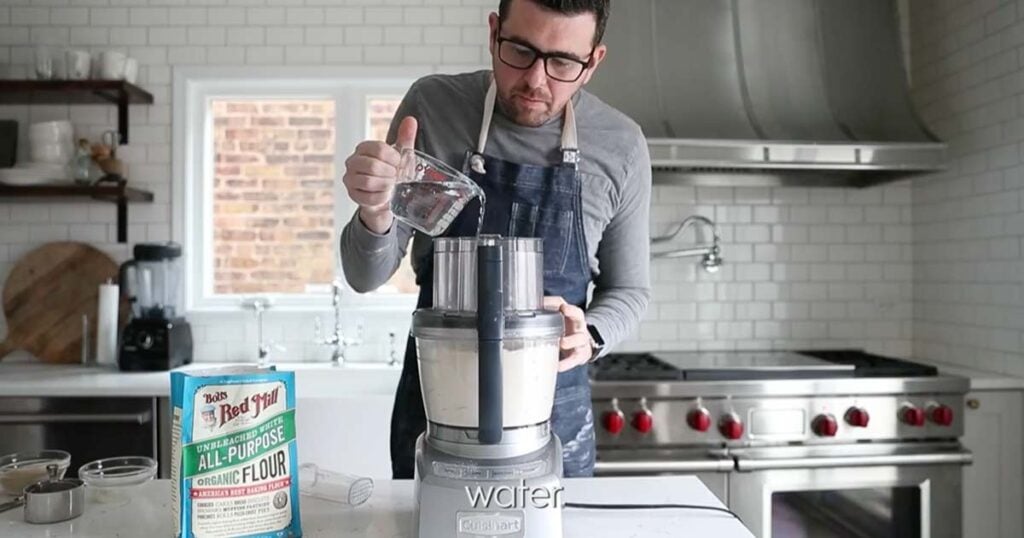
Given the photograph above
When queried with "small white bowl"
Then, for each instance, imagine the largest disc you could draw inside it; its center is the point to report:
(51, 131)
(51, 153)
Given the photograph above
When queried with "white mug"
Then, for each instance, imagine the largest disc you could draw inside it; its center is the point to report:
(112, 65)
(131, 70)
(78, 64)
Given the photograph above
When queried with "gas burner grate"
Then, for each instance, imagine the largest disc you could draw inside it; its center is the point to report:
(633, 367)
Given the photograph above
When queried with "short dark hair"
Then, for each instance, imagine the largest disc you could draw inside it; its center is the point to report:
(600, 9)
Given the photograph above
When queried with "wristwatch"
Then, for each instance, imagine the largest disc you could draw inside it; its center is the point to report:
(596, 343)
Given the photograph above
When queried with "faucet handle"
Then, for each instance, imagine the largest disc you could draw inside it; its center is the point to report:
(265, 351)
(393, 348)
(319, 337)
(358, 339)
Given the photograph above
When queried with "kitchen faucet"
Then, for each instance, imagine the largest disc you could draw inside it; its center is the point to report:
(711, 260)
(259, 305)
(337, 339)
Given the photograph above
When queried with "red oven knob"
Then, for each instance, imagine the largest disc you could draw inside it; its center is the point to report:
(941, 415)
(825, 426)
(699, 419)
(912, 416)
(731, 426)
(613, 421)
(643, 421)
(857, 417)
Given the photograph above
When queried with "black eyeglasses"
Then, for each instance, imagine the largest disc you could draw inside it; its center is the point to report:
(558, 66)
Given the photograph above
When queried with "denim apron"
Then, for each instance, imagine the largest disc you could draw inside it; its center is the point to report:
(522, 201)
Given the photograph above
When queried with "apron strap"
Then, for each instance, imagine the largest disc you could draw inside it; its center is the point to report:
(570, 146)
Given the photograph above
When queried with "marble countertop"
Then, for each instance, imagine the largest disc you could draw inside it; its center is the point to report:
(389, 513)
(24, 376)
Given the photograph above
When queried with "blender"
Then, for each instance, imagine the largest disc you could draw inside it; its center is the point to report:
(488, 463)
(156, 337)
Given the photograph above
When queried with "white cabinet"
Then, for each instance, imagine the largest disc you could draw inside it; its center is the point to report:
(993, 499)
(346, 434)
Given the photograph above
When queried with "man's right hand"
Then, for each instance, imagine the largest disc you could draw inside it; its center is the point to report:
(370, 175)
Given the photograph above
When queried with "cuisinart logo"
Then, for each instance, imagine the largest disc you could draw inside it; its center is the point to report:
(490, 524)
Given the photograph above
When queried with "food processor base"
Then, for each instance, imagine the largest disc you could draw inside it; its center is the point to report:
(518, 497)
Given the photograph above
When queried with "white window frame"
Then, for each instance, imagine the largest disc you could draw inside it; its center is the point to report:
(191, 222)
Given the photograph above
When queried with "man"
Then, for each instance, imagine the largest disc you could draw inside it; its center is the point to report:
(513, 130)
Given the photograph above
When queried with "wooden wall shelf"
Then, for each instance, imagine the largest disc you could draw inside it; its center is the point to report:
(118, 193)
(74, 92)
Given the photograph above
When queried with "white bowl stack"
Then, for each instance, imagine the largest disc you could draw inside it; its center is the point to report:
(51, 147)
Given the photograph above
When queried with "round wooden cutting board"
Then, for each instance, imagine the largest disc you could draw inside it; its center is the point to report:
(45, 295)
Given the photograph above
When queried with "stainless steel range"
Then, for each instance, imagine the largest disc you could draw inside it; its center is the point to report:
(835, 443)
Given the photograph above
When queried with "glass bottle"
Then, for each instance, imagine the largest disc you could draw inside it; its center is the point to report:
(80, 166)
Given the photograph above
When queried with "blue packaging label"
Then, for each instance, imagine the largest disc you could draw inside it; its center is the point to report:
(234, 454)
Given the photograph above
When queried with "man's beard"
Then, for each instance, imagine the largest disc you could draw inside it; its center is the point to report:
(523, 116)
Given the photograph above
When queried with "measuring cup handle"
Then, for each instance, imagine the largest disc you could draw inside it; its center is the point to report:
(11, 505)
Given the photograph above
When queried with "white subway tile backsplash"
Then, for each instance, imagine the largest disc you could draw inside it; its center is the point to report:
(462, 16)
(383, 54)
(175, 35)
(343, 55)
(226, 16)
(827, 233)
(827, 196)
(189, 16)
(148, 16)
(441, 35)
(309, 16)
(30, 16)
(266, 16)
(364, 35)
(790, 252)
(251, 35)
(69, 16)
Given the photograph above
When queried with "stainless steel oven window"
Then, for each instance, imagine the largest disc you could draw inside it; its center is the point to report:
(929, 495)
(847, 513)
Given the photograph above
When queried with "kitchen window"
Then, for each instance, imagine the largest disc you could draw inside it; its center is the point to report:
(259, 204)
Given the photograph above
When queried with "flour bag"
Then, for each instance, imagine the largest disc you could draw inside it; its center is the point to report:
(234, 467)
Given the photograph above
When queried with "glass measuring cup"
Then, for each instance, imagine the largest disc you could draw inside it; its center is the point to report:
(429, 194)
(333, 486)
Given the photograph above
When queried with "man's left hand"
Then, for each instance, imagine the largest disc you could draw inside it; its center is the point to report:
(575, 345)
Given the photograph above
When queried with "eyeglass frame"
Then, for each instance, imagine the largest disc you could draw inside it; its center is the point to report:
(540, 55)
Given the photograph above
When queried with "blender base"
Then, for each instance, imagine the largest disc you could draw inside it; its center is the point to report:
(517, 497)
(155, 344)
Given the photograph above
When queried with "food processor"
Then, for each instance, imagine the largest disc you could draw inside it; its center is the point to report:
(488, 463)
(157, 337)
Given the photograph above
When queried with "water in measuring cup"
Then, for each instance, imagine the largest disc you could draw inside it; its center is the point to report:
(432, 206)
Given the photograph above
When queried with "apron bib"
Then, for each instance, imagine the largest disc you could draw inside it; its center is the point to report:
(523, 200)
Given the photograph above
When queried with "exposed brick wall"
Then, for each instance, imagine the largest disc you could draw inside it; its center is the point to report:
(273, 210)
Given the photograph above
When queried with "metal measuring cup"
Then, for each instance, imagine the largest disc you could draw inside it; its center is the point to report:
(51, 500)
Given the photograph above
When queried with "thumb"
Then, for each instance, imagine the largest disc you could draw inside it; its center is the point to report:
(407, 133)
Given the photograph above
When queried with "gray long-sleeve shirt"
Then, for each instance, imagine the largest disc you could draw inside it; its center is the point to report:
(615, 172)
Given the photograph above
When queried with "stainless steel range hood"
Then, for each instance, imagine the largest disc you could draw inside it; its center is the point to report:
(755, 92)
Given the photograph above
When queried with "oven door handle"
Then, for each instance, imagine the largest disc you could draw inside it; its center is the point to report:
(642, 467)
(962, 457)
(143, 417)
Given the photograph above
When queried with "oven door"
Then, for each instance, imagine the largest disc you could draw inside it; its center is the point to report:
(908, 490)
(712, 467)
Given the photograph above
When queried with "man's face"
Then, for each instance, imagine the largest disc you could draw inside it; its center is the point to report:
(529, 96)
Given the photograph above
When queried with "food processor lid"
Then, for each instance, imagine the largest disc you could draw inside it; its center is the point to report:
(469, 244)
(155, 252)
(428, 323)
